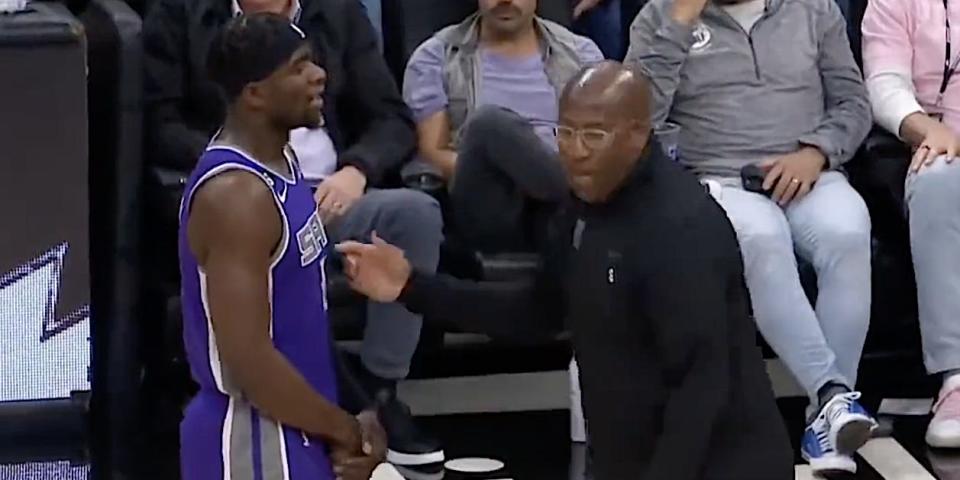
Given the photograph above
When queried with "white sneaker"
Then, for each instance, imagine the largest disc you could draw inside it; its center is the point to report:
(944, 428)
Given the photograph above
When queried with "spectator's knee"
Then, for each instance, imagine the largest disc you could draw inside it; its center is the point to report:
(487, 120)
(846, 234)
(936, 185)
(767, 249)
(407, 215)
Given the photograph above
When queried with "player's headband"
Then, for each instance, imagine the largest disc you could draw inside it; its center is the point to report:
(265, 58)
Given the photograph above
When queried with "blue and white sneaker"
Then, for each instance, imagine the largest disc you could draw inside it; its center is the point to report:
(849, 424)
(818, 451)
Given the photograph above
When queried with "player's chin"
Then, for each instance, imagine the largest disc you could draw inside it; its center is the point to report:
(312, 120)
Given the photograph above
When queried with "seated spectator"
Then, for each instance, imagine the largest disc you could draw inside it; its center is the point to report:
(772, 85)
(906, 49)
(484, 94)
(368, 132)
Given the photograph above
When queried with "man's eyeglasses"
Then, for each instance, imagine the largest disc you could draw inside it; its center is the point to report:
(592, 138)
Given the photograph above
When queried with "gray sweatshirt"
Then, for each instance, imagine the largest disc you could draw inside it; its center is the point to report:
(744, 97)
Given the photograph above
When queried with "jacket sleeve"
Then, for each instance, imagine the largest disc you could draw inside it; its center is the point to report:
(381, 136)
(848, 117)
(499, 309)
(888, 63)
(169, 140)
(534, 309)
(685, 299)
(659, 47)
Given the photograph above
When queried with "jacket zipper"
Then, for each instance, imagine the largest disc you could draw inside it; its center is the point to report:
(753, 50)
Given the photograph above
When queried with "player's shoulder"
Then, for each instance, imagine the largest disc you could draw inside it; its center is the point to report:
(234, 188)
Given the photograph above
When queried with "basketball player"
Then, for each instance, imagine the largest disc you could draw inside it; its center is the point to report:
(252, 249)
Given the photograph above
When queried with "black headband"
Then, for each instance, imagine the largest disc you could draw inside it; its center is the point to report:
(250, 48)
(262, 59)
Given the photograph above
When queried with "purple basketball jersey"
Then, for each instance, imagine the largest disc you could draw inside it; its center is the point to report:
(222, 435)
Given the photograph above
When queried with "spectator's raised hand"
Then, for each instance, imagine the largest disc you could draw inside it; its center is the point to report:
(337, 193)
(792, 176)
(939, 141)
(687, 11)
(584, 6)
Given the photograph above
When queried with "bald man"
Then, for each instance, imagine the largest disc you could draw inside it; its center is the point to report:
(643, 268)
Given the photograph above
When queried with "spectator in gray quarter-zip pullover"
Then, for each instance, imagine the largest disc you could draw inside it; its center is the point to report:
(773, 83)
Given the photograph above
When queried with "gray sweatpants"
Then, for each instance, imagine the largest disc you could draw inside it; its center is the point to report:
(410, 220)
(933, 201)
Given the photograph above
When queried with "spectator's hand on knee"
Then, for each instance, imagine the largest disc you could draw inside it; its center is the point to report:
(792, 176)
(338, 192)
(939, 141)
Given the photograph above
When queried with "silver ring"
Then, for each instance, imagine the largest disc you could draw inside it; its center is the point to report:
(794, 181)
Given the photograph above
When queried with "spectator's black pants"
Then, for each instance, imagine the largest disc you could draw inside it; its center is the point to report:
(506, 185)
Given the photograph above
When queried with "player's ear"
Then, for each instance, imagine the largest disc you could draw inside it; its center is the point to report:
(255, 94)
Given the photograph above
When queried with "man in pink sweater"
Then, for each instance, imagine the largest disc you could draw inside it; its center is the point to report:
(910, 56)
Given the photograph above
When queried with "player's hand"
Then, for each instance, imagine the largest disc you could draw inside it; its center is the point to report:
(378, 270)
(939, 141)
(374, 437)
(687, 11)
(584, 6)
(359, 464)
(357, 467)
(337, 193)
(793, 176)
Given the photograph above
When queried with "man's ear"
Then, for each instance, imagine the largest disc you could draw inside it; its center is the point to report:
(254, 94)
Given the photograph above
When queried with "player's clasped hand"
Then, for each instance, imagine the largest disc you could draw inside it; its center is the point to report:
(353, 464)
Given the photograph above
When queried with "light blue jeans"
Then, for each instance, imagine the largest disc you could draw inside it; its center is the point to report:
(830, 228)
(933, 200)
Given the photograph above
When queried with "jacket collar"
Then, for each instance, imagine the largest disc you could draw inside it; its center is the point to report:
(295, 12)
(217, 11)
(770, 7)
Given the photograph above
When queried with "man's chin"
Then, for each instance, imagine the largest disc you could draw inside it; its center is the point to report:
(313, 123)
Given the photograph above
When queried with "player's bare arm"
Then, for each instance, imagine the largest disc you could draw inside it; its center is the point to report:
(233, 230)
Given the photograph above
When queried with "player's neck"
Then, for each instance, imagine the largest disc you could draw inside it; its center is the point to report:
(265, 143)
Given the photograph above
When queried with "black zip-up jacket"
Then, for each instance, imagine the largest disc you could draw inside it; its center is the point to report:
(369, 123)
(651, 287)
